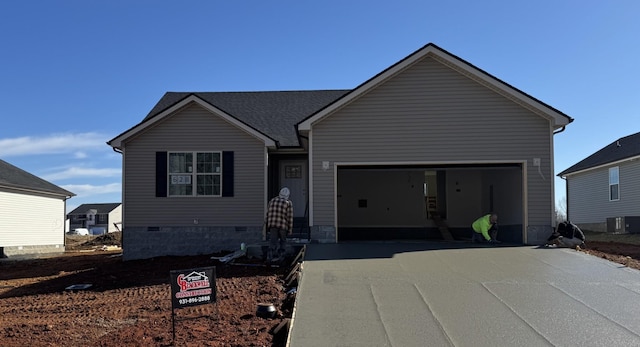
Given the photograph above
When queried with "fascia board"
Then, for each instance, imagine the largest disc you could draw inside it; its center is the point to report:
(117, 142)
(437, 162)
(37, 191)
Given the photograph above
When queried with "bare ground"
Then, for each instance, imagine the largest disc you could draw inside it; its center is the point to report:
(619, 248)
(129, 302)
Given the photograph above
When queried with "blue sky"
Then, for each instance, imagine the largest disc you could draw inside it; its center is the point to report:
(75, 74)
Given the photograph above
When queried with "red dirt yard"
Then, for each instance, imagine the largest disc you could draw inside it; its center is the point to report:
(129, 302)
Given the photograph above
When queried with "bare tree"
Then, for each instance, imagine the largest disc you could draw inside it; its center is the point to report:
(561, 210)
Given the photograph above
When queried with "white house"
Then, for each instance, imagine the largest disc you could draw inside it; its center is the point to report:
(32, 217)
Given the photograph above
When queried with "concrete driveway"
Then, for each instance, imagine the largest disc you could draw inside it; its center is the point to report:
(454, 294)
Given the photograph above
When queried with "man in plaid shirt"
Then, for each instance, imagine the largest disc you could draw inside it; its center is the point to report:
(279, 223)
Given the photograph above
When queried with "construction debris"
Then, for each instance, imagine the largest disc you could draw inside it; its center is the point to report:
(230, 257)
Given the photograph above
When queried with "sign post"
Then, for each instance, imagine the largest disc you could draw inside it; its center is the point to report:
(191, 287)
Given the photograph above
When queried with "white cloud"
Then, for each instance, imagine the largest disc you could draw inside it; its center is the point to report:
(56, 143)
(80, 155)
(84, 190)
(74, 172)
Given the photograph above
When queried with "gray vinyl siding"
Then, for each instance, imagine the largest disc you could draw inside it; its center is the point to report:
(193, 129)
(588, 194)
(431, 113)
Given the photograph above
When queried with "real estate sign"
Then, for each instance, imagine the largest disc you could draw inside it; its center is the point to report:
(192, 287)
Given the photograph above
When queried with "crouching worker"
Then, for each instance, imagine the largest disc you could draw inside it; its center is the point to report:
(567, 235)
(485, 229)
(279, 223)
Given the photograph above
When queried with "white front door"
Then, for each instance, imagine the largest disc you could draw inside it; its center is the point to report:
(293, 175)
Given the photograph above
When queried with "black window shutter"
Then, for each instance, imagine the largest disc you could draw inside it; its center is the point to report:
(227, 173)
(161, 174)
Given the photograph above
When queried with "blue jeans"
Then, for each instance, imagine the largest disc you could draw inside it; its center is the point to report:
(277, 242)
(477, 237)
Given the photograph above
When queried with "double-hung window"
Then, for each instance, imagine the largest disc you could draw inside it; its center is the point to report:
(614, 183)
(195, 173)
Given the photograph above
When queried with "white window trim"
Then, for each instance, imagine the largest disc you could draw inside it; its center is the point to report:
(617, 169)
(194, 175)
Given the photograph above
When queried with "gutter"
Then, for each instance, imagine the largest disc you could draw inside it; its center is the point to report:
(561, 130)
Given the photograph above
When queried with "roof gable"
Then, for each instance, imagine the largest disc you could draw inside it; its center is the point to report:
(270, 116)
(557, 118)
(624, 148)
(16, 178)
(189, 99)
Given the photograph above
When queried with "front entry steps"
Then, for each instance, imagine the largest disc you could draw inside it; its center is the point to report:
(301, 229)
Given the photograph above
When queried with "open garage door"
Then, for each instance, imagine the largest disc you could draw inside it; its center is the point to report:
(427, 202)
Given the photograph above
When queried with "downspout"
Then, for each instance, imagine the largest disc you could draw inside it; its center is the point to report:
(566, 186)
(566, 196)
(64, 223)
(118, 150)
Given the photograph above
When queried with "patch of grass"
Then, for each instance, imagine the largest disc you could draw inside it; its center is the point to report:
(633, 239)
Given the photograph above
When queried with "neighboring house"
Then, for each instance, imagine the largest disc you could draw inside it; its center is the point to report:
(32, 217)
(432, 139)
(98, 218)
(603, 191)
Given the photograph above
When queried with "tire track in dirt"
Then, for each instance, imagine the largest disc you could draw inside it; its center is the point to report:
(79, 306)
(129, 303)
(120, 304)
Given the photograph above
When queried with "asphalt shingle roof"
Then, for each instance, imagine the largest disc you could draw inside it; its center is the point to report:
(273, 113)
(14, 177)
(100, 208)
(624, 147)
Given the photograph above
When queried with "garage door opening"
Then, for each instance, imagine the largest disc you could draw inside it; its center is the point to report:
(427, 202)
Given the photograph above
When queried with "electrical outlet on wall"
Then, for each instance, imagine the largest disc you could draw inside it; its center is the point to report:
(536, 161)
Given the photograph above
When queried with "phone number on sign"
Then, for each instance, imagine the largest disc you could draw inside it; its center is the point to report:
(194, 300)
